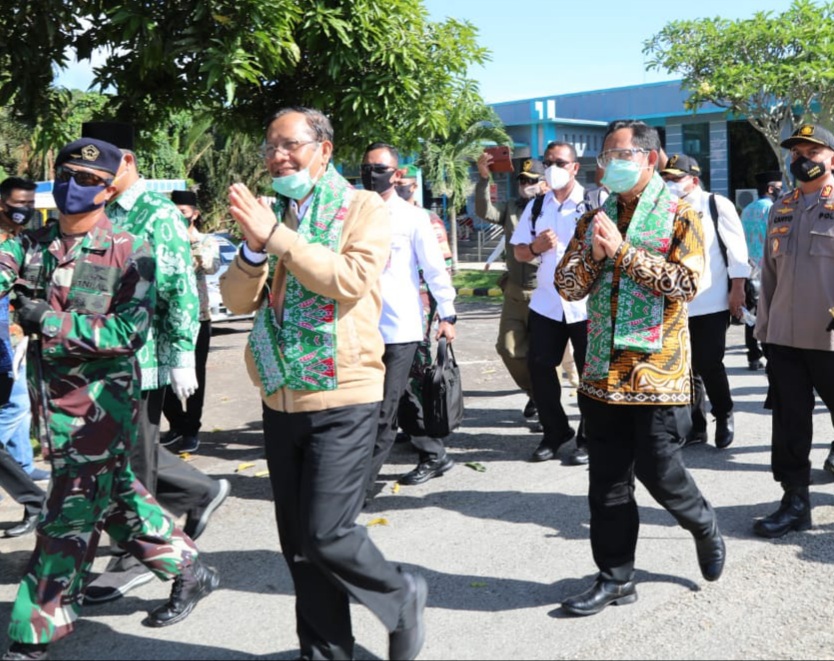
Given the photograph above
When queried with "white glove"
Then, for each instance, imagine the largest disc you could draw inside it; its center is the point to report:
(183, 382)
(19, 355)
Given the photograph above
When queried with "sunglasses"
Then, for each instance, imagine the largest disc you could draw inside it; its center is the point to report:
(559, 163)
(379, 168)
(82, 177)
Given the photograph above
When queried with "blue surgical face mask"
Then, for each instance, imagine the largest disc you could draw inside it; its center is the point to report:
(297, 185)
(621, 176)
(70, 198)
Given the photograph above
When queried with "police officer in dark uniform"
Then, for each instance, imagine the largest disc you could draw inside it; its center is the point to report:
(793, 321)
(513, 334)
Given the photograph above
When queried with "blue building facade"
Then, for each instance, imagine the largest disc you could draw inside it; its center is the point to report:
(580, 119)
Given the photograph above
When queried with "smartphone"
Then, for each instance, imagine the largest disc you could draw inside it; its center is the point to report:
(501, 161)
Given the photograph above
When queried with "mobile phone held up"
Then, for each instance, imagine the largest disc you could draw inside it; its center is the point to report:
(501, 161)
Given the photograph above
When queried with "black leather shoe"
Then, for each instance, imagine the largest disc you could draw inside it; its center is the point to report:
(829, 461)
(695, 438)
(530, 409)
(579, 457)
(426, 470)
(545, 452)
(28, 525)
(196, 582)
(599, 596)
(724, 431)
(794, 513)
(711, 554)
(26, 651)
(406, 641)
(755, 365)
(547, 449)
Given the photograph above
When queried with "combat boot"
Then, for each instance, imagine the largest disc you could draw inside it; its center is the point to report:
(794, 513)
(195, 582)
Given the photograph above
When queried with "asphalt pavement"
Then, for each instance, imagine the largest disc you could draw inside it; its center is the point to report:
(501, 541)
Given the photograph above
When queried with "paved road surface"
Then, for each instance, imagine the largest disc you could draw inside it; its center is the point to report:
(500, 548)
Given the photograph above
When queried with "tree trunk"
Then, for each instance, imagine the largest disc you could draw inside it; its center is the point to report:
(453, 232)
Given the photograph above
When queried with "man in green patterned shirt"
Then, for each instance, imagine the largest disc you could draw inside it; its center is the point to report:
(166, 358)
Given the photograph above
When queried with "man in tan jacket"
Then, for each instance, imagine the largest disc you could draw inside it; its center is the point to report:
(315, 352)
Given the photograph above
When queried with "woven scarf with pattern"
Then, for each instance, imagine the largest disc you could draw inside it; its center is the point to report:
(300, 352)
(639, 322)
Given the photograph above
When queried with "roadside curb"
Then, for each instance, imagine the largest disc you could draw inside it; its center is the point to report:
(478, 291)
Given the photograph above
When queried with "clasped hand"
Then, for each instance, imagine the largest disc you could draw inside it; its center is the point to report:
(606, 238)
(254, 216)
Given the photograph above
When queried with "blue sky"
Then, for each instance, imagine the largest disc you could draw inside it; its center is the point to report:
(546, 47)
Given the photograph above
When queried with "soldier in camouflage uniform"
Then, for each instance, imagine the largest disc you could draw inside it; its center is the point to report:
(167, 358)
(89, 296)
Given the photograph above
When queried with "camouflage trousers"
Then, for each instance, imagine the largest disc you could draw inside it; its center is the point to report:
(81, 498)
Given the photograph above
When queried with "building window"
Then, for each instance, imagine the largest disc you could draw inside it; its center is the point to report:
(696, 144)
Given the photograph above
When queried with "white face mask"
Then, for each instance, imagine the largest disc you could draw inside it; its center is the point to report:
(557, 178)
(676, 188)
(529, 192)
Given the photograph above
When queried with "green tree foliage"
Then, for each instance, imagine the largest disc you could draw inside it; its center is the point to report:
(447, 160)
(378, 68)
(773, 69)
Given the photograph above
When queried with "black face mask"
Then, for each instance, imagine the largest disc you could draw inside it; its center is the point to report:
(19, 215)
(379, 182)
(806, 170)
(405, 192)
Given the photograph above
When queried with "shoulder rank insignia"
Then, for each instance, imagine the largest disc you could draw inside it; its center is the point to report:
(826, 192)
(774, 246)
(781, 229)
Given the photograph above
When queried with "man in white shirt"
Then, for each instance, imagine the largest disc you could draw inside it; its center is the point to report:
(543, 233)
(726, 257)
(414, 248)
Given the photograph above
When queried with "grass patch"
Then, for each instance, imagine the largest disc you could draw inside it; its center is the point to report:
(476, 279)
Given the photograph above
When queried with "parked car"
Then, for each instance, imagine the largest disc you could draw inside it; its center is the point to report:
(219, 313)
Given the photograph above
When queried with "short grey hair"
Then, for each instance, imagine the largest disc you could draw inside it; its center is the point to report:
(320, 126)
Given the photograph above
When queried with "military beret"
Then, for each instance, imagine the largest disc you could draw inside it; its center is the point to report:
(116, 133)
(814, 133)
(531, 169)
(184, 197)
(91, 153)
(679, 165)
(411, 171)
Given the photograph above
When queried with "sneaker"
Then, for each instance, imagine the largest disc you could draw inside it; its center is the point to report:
(195, 582)
(197, 519)
(40, 475)
(123, 574)
(188, 444)
(169, 438)
(26, 651)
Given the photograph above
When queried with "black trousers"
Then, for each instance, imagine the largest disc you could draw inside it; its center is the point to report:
(548, 339)
(708, 335)
(189, 420)
(318, 466)
(178, 486)
(794, 376)
(19, 485)
(397, 359)
(625, 442)
(754, 349)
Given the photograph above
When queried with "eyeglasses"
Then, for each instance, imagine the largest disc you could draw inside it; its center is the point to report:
(82, 177)
(604, 158)
(285, 148)
(559, 163)
(379, 168)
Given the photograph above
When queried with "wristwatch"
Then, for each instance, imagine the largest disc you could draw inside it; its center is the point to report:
(450, 320)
